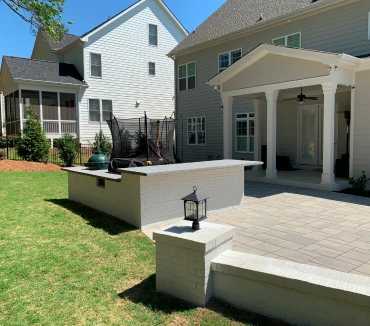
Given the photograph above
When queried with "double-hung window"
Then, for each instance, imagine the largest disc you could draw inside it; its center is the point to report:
(95, 65)
(153, 35)
(187, 76)
(244, 132)
(292, 40)
(151, 69)
(197, 131)
(228, 58)
(100, 110)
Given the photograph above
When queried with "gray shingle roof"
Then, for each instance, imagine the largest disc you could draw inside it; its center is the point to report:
(235, 15)
(67, 40)
(44, 71)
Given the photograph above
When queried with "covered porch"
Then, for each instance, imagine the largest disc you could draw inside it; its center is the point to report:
(301, 103)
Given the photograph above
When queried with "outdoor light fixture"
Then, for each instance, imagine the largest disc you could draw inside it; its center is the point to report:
(195, 208)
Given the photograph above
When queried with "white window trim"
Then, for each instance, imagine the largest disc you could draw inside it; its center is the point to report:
(229, 52)
(154, 46)
(196, 132)
(248, 136)
(100, 109)
(155, 69)
(101, 66)
(187, 80)
(286, 38)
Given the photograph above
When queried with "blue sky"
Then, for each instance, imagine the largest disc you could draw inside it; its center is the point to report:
(16, 39)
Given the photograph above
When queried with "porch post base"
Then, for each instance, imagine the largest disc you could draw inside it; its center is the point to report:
(271, 174)
(328, 179)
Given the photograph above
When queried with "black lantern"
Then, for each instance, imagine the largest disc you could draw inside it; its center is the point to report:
(195, 208)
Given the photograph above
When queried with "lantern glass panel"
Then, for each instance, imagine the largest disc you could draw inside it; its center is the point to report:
(202, 209)
(191, 211)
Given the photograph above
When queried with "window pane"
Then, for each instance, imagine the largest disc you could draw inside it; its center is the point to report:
(241, 128)
(106, 115)
(182, 71)
(223, 60)
(236, 55)
(191, 69)
(153, 40)
(94, 116)
(251, 127)
(279, 41)
(107, 105)
(242, 115)
(203, 124)
(153, 29)
(201, 137)
(95, 59)
(191, 82)
(152, 68)
(241, 143)
(191, 137)
(94, 105)
(251, 144)
(294, 40)
(183, 84)
(96, 71)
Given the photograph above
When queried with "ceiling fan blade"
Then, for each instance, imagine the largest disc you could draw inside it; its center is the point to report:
(290, 99)
(312, 98)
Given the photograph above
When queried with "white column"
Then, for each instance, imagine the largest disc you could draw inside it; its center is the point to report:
(329, 91)
(21, 113)
(271, 97)
(257, 104)
(352, 133)
(227, 112)
(41, 113)
(59, 115)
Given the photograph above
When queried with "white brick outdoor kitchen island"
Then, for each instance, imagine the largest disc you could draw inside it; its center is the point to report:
(145, 196)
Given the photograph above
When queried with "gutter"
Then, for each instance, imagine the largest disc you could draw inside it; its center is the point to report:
(32, 81)
(255, 28)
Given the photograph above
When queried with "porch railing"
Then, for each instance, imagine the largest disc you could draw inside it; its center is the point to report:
(52, 127)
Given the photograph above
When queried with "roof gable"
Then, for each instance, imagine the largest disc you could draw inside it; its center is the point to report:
(161, 4)
(236, 16)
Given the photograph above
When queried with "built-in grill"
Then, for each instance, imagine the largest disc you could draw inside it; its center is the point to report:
(98, 161)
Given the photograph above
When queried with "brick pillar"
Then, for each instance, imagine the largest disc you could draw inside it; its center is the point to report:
(184, 259)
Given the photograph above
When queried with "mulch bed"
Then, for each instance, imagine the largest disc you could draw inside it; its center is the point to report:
(350, 191)
(24, 166)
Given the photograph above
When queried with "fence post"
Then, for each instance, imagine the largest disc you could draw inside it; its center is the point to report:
(80, 154)
(7, 147)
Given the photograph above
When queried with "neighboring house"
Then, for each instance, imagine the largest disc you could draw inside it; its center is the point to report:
(119, 67)
(235, 95)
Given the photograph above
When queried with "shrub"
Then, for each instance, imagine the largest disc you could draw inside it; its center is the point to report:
(3, 142)
(359, 185)
(2, 156)
(68, 149)
(33, 144)
(102, 143)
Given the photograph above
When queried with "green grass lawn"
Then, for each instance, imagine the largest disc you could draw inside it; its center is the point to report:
(64, 264)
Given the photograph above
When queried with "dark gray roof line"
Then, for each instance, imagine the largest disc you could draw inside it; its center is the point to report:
(236, 15)
(44, 71)
(67, 40)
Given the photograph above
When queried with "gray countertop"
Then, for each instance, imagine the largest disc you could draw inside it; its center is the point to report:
(187, 167)
(164, 169)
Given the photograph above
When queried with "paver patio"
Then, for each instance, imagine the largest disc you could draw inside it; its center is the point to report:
(316, 227)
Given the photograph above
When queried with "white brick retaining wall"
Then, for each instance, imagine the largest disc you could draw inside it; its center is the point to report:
(298, 293)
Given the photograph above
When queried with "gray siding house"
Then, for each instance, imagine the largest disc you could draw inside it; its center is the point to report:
(278, 80)
(118, 67)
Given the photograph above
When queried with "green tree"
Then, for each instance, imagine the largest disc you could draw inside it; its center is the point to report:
(68, 149)
(44, 15)
(33, 145)
(102, 143)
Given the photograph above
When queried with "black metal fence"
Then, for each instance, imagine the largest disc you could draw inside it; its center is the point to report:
(8, 151)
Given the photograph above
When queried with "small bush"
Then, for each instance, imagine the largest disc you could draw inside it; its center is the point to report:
(3, 142)
(68, 149)
(359, 185)
(2, 156)
(102, 143)
(33, 144)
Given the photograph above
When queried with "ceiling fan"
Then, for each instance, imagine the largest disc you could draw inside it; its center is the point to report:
(301, 98)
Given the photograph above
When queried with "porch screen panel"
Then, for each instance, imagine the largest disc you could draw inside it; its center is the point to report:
(16, 106)
(49, 106)
(31, 100)
(67, 107)
(308, 134)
